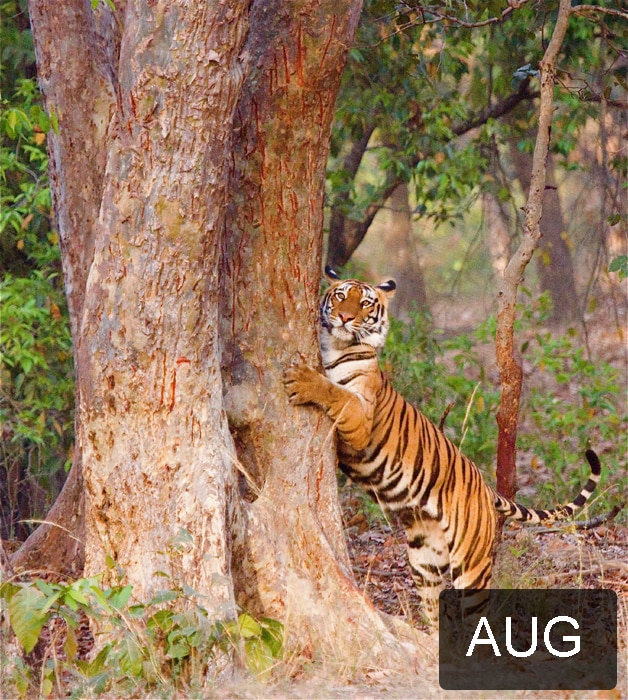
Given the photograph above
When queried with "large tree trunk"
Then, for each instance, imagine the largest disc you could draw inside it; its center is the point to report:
(211, 201)
(151, 424)
(291, 560)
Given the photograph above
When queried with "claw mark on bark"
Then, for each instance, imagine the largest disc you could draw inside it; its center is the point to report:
(173, 389)
(286, 63)
(326, 49)
(163, 382)
(300, 56)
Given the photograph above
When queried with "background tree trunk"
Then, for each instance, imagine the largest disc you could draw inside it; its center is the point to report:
(554, 262)
(510, 371)
(498, 226)
(403, 261)
(345, 235)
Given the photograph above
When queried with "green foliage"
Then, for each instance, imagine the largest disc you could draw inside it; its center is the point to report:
(406, 89)
(36, 395)
(422, 81)
(573, 402)
(165, 646)
(620, 266)
(262, 641)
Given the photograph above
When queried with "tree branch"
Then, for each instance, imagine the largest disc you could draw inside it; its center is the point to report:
(582, 9)
(437, 16)
(345, 234)
(497, 110)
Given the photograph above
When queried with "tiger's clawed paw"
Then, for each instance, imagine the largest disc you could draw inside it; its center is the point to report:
(301, 382)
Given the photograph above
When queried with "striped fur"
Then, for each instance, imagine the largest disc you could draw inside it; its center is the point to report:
(401, 458)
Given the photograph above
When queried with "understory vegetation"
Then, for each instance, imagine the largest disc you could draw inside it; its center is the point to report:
(570, 402)
(166, 645)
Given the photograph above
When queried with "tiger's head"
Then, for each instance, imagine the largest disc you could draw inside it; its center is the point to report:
(356, 313)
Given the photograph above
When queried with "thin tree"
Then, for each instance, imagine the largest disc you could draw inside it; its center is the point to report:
(509, 364)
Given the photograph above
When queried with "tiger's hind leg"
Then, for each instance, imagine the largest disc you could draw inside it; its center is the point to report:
(471, 559)
(428, 555)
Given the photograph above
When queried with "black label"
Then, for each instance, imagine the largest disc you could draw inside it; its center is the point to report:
(528, 640)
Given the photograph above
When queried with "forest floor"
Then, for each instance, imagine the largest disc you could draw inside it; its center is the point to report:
(529, 557)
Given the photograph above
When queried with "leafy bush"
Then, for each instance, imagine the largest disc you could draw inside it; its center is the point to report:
(573, 402)
(36, 394)
(168, 645)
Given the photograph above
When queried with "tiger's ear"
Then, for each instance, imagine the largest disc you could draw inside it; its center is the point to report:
(388, 288)
(331, 274)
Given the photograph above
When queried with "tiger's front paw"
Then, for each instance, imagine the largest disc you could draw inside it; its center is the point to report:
(302, 384)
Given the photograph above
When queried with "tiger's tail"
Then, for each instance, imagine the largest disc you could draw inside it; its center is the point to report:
(531, 515)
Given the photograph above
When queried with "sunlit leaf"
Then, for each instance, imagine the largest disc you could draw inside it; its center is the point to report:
(26, 616)
(120, 597)
(248, 626)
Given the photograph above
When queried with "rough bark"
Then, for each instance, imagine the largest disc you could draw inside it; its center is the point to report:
(58, 544)
(79, 146)
(150, 402)
(507, 359)
(290, 560)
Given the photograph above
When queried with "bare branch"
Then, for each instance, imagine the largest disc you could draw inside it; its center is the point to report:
(497, 110)
(431, 15)
(583, 9)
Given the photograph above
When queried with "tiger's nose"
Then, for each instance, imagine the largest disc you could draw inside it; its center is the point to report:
(345, 317)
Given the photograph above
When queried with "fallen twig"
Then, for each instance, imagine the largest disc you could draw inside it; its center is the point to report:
(595, 522)
(595, 569)
(375, 572)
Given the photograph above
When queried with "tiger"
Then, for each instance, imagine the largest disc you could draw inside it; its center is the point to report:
(398, 456)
